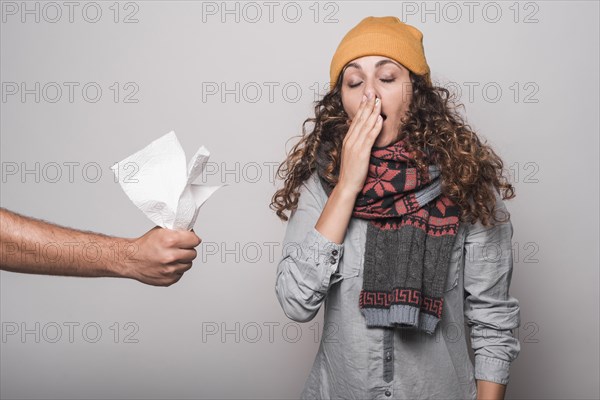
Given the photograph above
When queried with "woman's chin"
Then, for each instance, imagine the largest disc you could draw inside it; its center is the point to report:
(385, 137)
(382, 140)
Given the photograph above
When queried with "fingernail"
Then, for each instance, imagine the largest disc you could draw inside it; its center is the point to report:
(364, 99)
(377, 101)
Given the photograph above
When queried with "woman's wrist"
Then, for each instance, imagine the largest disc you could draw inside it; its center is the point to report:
(346, 192)
(336, 214)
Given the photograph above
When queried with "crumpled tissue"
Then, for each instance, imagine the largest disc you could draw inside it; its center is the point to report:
(159, 183)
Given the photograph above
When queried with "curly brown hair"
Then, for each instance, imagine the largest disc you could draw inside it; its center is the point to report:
(434, 130)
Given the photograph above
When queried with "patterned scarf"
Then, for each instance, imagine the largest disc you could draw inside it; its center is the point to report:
(409, 240)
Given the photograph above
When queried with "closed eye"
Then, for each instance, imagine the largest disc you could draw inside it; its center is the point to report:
(382, 80)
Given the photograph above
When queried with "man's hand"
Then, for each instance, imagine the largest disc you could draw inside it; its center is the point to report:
(33, 246)
(161, 256)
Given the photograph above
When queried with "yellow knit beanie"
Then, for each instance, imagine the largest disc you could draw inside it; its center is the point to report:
(383, 36)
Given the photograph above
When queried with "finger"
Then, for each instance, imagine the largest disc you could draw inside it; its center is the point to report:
(365, 113)
(353, 124)
(188, 240)
(373, 133)
(172, 280)
(185, 255)
(364, 105)
(369, 124)
(357, 120)
(374, 116)
(183, 268)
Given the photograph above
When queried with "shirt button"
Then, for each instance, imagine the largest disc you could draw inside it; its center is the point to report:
(388, 356)
(332, 260)
(388, 393)
(334, 252)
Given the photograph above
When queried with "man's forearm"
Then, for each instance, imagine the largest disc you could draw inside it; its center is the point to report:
(33, 246)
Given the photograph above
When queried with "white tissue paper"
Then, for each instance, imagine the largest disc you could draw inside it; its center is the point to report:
(159, 183)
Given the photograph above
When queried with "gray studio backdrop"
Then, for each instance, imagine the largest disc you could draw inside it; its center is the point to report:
(85, 84)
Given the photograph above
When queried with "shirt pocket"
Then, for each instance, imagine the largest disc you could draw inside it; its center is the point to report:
(455, 259)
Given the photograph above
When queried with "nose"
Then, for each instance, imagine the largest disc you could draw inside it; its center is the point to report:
(370, 88)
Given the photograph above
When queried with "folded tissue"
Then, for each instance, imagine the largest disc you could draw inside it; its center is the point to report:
(159, 183)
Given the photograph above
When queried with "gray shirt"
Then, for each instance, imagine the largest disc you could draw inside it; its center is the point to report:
(356, 362)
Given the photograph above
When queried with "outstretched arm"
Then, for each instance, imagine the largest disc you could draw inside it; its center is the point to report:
(28, 245)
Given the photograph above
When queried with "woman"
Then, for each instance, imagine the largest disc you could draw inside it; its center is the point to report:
(395, 226)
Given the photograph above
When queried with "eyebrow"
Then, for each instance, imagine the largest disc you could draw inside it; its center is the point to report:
(377, 65)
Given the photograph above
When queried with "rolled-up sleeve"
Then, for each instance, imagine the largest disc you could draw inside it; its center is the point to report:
(308, 259)
(491, 312)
